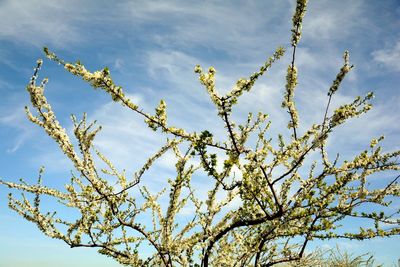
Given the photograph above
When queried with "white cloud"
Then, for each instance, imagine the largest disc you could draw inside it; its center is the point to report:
(17, 120)
(119, 64)
(389, 57)
(39, 22)
(176, 66)
(328, 21)
(201, 24)
(125, 138)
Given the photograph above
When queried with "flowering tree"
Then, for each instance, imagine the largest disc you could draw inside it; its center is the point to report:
(283, 203)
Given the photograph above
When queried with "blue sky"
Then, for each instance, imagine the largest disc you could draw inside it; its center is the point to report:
(151, 48)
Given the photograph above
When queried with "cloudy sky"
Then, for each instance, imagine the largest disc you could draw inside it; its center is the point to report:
(151, 48)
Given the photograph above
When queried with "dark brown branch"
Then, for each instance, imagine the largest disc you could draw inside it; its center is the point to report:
(288, 97)
(297, 164)
(271, 186)
(233, 226)
(226, 119)
(261, 245)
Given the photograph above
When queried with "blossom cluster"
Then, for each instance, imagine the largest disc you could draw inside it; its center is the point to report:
(288, 102)
(340, 76)
(297, 21)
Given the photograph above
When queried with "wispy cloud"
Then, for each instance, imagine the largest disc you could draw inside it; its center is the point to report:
(389, 57)
(16, 120)
(328, 21)
(197, 24)
(35, 22)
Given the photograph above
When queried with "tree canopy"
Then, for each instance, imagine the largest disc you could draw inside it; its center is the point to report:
(284, 203)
